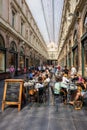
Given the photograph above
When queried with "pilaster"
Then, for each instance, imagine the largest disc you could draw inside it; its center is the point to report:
(79, 45)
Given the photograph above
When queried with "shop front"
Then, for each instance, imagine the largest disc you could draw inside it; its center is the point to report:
(3, 72)
(2, 60)
(13, 56)
(84, 54)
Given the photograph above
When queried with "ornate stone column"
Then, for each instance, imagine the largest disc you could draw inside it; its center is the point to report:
(79, 29)
(7, 52)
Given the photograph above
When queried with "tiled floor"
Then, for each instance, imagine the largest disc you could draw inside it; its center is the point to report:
(35, 116)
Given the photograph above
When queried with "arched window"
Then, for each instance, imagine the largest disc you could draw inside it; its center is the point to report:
(2, 43)
(13, 46)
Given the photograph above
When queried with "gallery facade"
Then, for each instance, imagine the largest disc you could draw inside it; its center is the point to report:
(21, 43)
(73, 36)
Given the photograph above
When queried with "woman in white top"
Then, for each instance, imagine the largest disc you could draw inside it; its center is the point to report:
(65, 80)
(39, 83)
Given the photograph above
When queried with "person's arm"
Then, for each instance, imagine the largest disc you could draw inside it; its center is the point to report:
(84, 86)
(67, 80)
(63, 85)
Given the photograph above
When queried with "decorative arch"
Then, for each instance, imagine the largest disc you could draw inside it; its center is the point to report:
(13, 46)
(2, 42)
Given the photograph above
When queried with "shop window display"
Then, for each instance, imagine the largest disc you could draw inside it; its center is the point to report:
(12, 54)
(2, 55)
(2, 62)
(11, 59)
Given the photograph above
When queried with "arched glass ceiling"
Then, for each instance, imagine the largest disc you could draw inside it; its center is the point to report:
(47, 14)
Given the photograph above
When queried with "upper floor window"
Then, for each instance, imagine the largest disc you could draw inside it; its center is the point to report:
(22, 24)
(26, 34)
(13, 18)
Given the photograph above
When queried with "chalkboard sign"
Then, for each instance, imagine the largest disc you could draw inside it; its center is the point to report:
(13, 91)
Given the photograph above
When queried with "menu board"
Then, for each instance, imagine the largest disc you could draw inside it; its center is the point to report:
(13, 91)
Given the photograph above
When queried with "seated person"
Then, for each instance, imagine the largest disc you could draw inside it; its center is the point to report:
(84, 86)
(65, 70)
(79, 78)
(47, 78)
(81, 90)
(74, 78)
(30, 75)
(57, 86)
(40, 88)
(60, 88)
(39, 83)
(65, 80)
